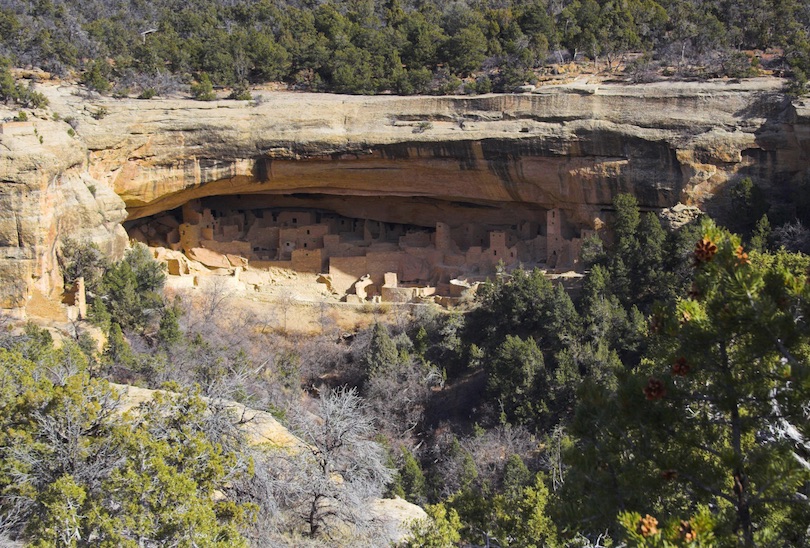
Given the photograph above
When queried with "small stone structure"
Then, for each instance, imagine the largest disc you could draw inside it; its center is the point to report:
(76, 300)
(363, 258)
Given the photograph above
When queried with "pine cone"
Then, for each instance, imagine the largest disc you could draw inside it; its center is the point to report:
(742, 257)
(705, 250)
(686, 532)
(680, 367)
(655, 389)
(648, 526)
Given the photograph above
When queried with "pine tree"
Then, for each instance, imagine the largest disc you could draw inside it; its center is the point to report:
(625, 224)
(169, 332)
(721, 408)
(117, 352)
(516, 379)
(761, 235)
(714, 415)
(412, 477)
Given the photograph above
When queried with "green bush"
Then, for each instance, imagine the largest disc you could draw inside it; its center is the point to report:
(126, 292)
(100, 113)
(78, 473)
(30, 98)
(480, 85)
(449, 86)
(798, 86)
(83, 260)
(241, 93)
(204, 89)
(148, 93)
(422, 127)
(132, 289)
(95, 78)
(16, 92)
(8, 88)
(738, 65)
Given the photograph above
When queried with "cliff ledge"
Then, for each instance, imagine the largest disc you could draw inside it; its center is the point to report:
(414, 160)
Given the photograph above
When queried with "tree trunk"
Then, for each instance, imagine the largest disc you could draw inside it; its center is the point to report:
(739, 476)
(312, 519)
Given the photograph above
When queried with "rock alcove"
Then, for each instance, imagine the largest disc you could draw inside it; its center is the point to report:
(499, 162)
(397, 248)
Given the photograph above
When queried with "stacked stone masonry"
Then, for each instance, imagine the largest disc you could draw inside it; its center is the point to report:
(363, 259)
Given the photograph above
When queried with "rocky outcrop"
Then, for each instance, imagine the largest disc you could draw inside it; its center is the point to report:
(46, 193)
(259, 427)
(571, 147)
(395, 159)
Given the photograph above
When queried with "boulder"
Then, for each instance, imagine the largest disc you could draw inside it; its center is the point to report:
(209, 258)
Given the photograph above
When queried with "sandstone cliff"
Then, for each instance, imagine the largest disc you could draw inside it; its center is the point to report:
(395, 159)
(46, 193)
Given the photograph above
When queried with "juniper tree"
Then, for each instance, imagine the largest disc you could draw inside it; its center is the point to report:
(74, 471)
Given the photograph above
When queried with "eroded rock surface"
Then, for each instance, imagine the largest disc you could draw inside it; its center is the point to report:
(414, 160)
(46, 193)
(572, 147)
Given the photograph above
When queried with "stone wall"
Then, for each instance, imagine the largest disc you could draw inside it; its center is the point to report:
(345, 271)
(378, 263)
(308, 260)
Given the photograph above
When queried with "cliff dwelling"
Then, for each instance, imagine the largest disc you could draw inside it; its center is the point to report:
(359, 245)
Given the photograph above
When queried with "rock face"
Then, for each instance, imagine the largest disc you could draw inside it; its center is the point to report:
(46, 194)
(414, 160)
(570, 147)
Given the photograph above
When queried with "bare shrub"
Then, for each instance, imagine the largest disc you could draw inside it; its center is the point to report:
(325, 487)
(478, 458)
(793, 236)
(398, 397)
(162, 83)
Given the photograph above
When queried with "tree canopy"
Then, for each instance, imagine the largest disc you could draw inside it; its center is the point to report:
(75, 471)
(405, 46)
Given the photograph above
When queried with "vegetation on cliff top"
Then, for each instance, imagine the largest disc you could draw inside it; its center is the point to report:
(403, 46)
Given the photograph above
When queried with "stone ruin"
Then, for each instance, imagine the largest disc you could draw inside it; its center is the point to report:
(360, 259)
(75, 298)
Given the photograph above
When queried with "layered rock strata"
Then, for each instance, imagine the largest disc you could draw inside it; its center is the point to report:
(415, 160)
(568, 147)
